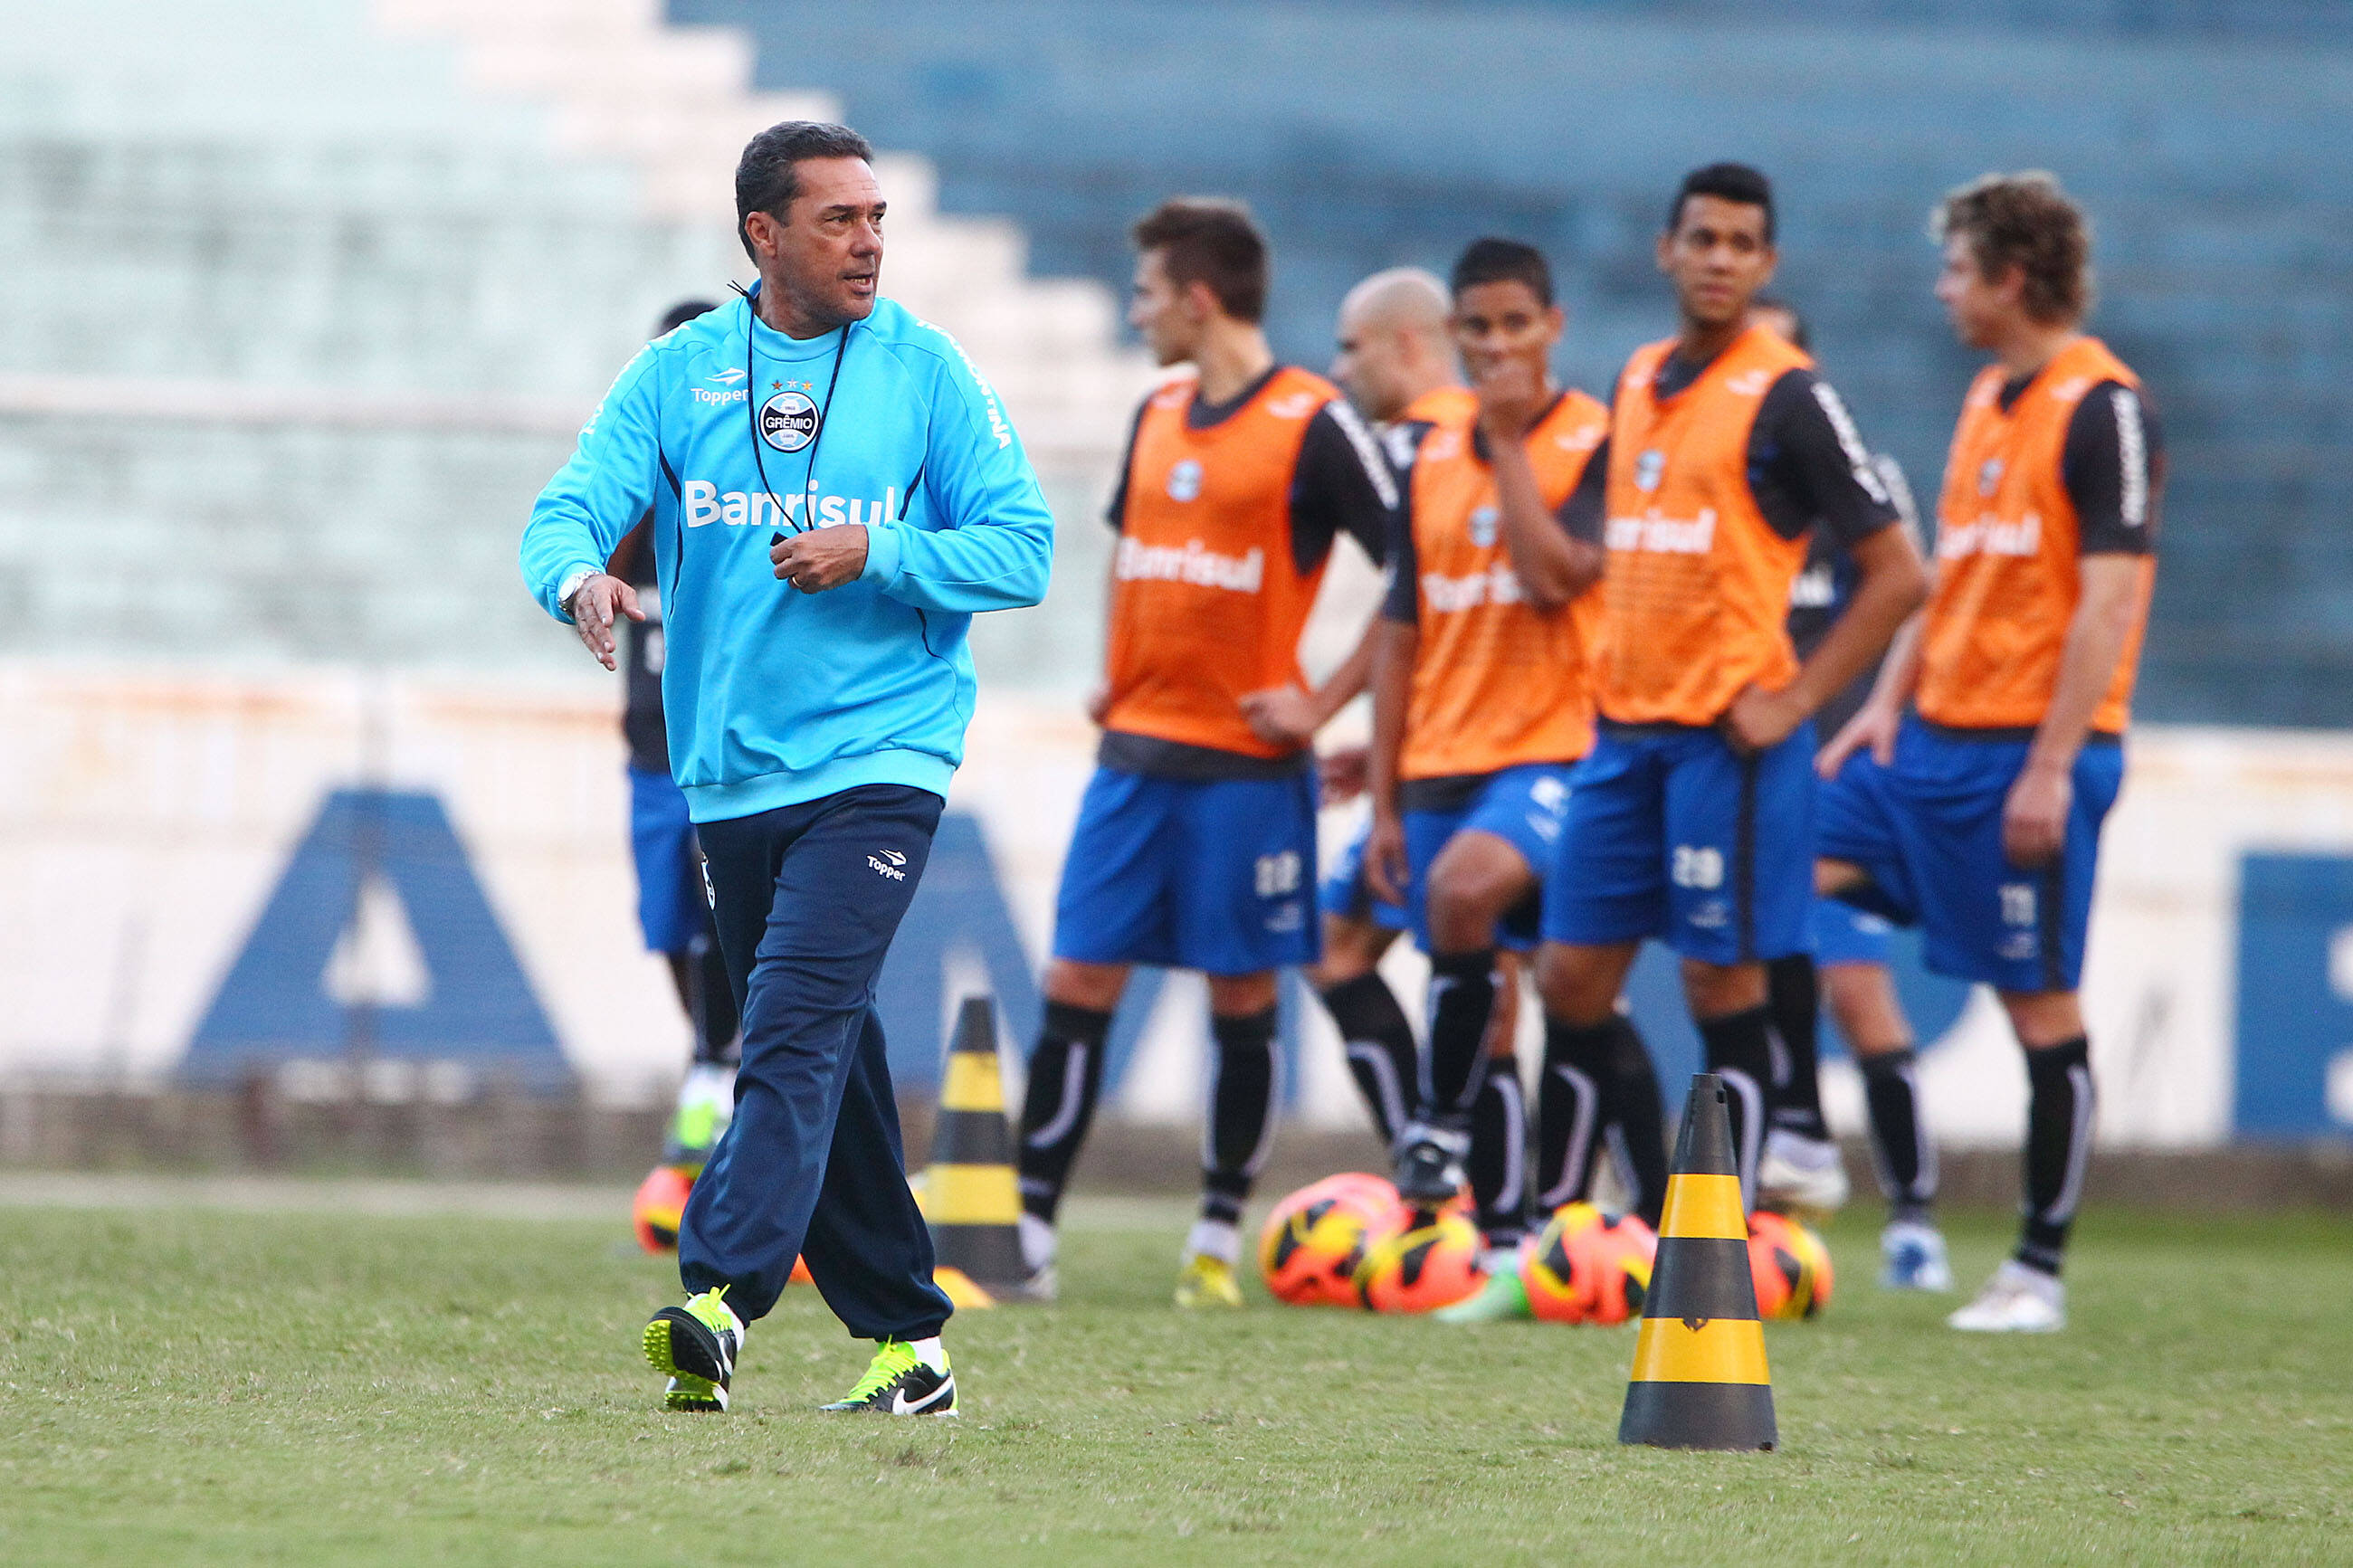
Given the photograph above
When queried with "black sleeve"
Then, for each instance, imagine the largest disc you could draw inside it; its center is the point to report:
(1402, 600)
(2113, 469)
(1401, 442)
(1808, 464)
(1115, 512)
(1581, 513)
(1343, 483)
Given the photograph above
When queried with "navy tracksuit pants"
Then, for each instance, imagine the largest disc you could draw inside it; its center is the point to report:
(806, 899)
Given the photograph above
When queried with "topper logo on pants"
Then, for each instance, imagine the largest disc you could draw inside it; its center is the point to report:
(890, 870)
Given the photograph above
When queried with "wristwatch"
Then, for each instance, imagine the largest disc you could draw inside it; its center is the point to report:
(571, 586)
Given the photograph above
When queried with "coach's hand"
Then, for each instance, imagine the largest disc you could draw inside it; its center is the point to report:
(2034, 818)
(1385, 862)
(1760, 720)
(596, 603)
(1872, 726)
(1280, 715)
(821, 558)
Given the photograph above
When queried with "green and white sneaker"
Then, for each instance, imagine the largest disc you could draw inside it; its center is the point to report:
(706, 1103)
(898, 1382)
(1502, 1299)
(695, 1346)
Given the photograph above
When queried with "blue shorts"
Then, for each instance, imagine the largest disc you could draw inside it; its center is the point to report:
(1525, 808)
(1214, 875)
(1844, 935)
(1674, 835)
(672, 909)
(1347, 894)
(1927, 831)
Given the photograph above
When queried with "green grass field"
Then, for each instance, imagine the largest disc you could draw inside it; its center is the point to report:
(193, 1386)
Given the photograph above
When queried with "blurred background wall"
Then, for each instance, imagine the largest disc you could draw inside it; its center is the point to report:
(303, 301)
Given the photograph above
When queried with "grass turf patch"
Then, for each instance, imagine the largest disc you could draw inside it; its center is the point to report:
(198, 1387)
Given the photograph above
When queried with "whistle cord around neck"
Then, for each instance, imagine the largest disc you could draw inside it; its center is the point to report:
(752, 406)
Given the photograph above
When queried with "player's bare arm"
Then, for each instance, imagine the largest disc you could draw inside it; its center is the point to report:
(1099, 694)
(596, 606)
(1396, 642)
(1288, 716)
(1894, 584)
(1875, 724)
(2034, 818)
(1552, 567)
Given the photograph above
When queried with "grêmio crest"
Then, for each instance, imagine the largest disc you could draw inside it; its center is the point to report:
(788, 421)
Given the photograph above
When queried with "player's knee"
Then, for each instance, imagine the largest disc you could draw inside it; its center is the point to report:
(1351, 949)
(1233, 995)
(1832, 877)
(1862, 1002)
(1091, 985)
(1574, 985)
(1719, 990)
(1467, 897)
(2044, 1019)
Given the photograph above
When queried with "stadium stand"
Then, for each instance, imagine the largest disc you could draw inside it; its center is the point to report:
(301, 300)
(2206, 135)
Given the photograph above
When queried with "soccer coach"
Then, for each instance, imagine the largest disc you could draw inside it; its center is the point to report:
(834, 491)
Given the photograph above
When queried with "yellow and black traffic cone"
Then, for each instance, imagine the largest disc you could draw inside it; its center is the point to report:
(1699, 1379)
(969, 1195)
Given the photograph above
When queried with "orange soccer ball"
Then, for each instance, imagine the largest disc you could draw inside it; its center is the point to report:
(1433, 1264)
(1315, 1237)
(1790, 1264)
(661, 1198)
(1588, 1266)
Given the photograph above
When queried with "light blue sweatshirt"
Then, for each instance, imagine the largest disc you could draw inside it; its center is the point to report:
(775, 697)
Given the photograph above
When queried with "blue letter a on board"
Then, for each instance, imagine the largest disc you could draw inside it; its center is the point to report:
(377, 943)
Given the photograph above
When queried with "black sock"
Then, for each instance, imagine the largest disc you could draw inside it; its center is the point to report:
(1599, 1090)
(1241, 1112)
(1498, 1161)
(1462, 1000)
(2058, 1142)
(1381, 1054)
(1065, 1077)
(1899, 1141)
(1794, 995)
(1570, 1098)
(1637, 1130)
(1740, 1051)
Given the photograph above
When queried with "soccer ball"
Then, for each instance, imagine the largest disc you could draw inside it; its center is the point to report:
(661, 1198)
(1588, 1266)
(1790, 1264)
(1435, 1264)
(1315, 1237)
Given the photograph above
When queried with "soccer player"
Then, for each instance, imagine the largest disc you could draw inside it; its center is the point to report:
(1979, 813)
(671, 910)
(1800, 1169)
(1194, 847)
(1693, 817)
(817, 583)
(1480, 703)
(1396, 361)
